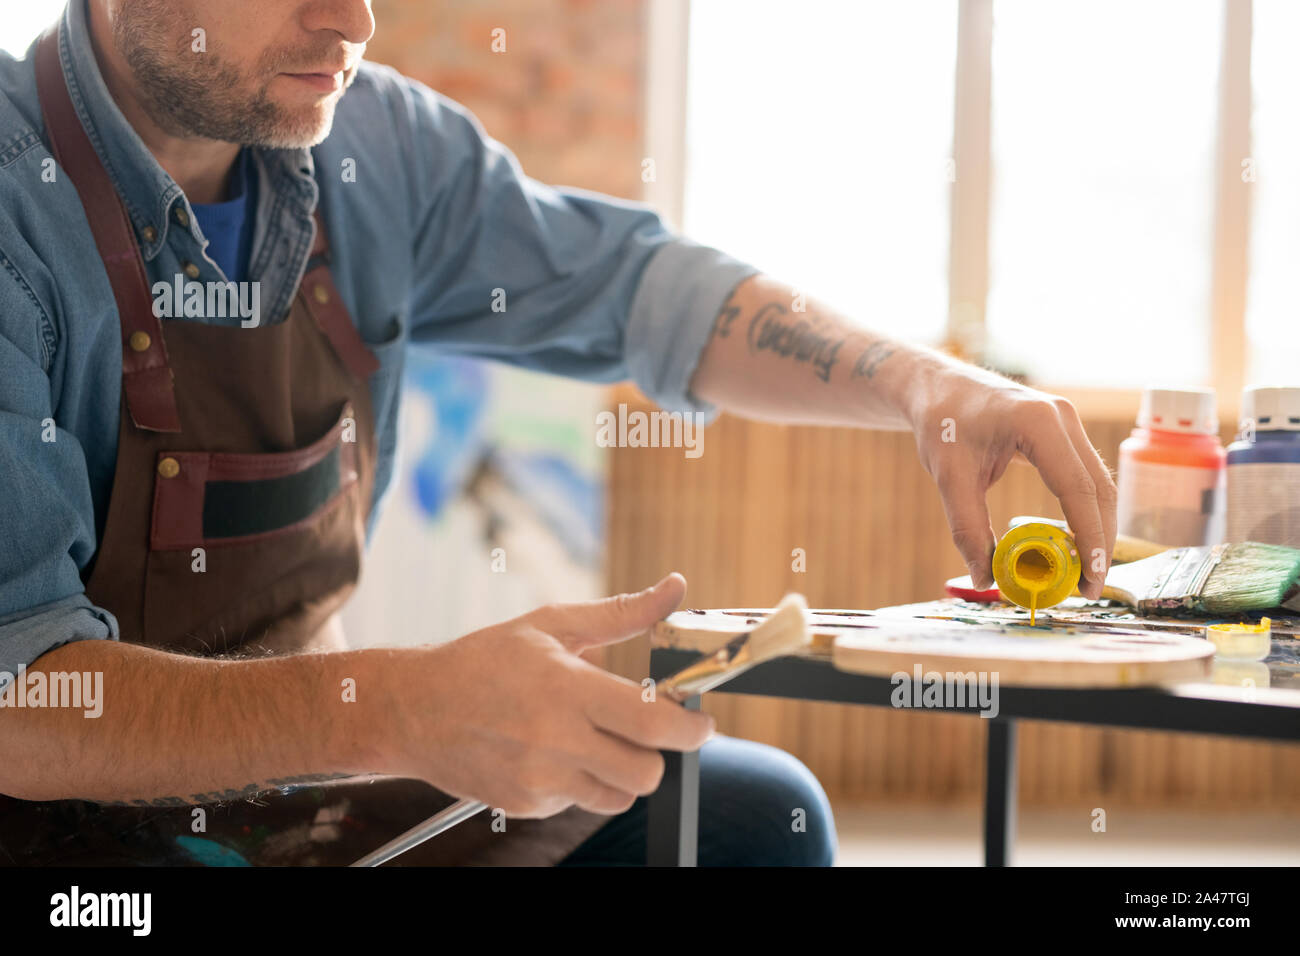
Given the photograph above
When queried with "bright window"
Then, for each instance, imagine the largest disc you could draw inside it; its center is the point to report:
(812, 126)
(1103, 135)
(818, 147)
(23, 22)
(1273, 296)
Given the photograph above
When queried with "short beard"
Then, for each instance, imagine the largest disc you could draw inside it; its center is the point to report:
(198, 95)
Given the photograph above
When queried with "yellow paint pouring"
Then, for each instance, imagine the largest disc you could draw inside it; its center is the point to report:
(1036, 566)
(1033, 568)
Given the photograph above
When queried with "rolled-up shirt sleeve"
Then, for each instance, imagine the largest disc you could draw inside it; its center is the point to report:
(681, 292)
(28, 634)
(555, 279)
(47, 530)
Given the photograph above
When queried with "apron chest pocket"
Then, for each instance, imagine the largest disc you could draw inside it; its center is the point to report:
(211, 499)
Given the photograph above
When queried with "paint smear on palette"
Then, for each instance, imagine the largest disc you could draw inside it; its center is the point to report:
(209, 852)
(1040, 630)
(1046, 626)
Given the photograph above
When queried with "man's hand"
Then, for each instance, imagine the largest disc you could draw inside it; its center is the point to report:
(510, 715)
(969, 425)
(523, 723)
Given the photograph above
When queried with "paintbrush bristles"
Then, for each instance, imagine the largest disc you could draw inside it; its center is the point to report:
(785, 631)
(1223, 580)
(1251, 576)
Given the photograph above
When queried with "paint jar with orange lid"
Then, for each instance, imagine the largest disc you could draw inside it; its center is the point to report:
(1171, 470)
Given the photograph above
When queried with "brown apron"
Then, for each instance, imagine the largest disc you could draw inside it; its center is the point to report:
(236, 526)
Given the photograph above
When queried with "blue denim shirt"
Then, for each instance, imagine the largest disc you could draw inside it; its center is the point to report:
(439, 216)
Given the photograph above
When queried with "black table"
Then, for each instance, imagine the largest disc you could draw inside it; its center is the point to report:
(1271, 713)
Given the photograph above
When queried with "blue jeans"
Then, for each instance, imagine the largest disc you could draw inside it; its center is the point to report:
(751, 798)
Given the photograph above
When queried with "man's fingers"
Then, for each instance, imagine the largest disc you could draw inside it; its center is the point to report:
(1096, 563)
(596, 797)
(590, 623)
(616, 706)
(621, 765)
(968, 519)
(1048, 446)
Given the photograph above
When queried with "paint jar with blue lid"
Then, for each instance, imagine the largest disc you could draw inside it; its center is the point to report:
(1264, 468)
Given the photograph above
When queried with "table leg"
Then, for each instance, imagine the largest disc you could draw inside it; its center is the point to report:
(1000, 792)
(673, 811)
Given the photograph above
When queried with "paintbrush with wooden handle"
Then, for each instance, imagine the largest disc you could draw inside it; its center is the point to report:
(785, 631)
(1222, 580)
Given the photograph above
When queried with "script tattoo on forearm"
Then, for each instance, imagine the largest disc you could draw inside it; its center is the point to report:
(722, 324)
(249, 792)
(869, 360)
(774, 329)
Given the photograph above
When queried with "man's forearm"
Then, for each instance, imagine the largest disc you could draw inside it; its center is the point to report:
(772, 356)
(177, 730)
(768, 358)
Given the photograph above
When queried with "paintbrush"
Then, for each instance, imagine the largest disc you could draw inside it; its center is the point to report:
(785, 631)
(1226, 579)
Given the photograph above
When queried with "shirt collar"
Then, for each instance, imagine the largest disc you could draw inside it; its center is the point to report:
(153, 199)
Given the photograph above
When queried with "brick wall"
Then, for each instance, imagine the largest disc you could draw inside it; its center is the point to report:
(565, 96)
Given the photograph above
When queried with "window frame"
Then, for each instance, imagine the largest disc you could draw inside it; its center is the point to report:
(666, 90)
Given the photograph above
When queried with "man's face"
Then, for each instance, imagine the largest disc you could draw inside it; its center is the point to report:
(253, 72)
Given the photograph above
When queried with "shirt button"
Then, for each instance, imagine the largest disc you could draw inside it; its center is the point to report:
(191, 270)
(139, 341)
(149, 233)
(320, 294)
(169, 467)
(182, 216)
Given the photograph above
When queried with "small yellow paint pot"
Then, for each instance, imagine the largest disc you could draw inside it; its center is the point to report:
(1036, 566)
(1243, 642)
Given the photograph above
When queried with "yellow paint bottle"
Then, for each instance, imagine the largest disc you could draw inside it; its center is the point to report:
(1036, 566)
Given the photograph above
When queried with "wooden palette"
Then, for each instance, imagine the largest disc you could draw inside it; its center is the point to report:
(882, 644)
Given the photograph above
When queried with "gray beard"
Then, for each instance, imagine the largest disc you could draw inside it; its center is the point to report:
(206, 98)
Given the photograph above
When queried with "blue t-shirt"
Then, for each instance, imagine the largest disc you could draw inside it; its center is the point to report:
(228, 226)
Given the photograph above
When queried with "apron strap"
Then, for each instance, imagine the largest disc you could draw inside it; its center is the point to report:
(146, 375)
(326, 307)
